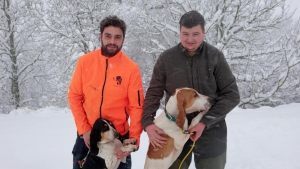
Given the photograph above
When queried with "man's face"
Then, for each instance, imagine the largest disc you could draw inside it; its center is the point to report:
(112, 40)
(191, 38)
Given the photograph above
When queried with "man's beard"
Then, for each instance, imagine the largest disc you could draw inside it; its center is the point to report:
(108, 53)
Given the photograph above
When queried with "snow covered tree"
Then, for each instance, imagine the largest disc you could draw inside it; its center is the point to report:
(21, 53)
(40, 42)
(251, 34)
(271, 76)
(245, 32)
(73, 30)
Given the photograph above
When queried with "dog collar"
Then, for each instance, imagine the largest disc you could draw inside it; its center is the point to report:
(171, 118)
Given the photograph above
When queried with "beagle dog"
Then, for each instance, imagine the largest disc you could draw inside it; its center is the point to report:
(103, 143)
(173, 122)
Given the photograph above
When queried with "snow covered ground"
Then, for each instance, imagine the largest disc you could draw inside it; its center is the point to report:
(264, 138)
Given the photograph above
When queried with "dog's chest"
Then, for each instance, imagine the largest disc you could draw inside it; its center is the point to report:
(107, 152)
(106, 149)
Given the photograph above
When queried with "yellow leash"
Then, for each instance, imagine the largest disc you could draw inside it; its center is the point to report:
(185, 132)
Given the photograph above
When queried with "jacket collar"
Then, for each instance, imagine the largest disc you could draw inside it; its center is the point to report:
(183, 50)
(113, 58)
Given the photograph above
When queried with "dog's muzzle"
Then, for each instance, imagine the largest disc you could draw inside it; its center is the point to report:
(116, 134)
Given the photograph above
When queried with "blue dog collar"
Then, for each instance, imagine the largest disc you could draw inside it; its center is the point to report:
(171, 118)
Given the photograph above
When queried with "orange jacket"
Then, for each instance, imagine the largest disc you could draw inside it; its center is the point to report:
(110, 87)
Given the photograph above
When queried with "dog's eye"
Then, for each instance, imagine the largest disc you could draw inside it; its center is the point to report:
(195, 95)
(105, 125)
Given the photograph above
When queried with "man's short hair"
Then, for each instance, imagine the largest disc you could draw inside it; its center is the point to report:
(112, 20)
(191, 19)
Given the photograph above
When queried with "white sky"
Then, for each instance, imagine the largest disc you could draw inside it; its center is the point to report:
(263, 138)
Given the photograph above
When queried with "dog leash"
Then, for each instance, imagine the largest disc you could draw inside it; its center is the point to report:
(187, 132)
(81, 162)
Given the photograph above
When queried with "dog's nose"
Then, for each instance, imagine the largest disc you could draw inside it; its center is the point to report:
(116, 134)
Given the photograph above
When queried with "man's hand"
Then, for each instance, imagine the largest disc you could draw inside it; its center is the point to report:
(197, 130)
(86, 138)
(120, 154)
(154, 135)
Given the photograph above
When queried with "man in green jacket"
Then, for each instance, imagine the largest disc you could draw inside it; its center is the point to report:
(196, 64)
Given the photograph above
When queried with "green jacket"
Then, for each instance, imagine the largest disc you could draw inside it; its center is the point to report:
(209, 73)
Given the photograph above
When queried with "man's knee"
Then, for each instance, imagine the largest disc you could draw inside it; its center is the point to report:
(212, 163)
(179, 163)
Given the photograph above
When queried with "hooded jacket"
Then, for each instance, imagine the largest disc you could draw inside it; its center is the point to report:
(207, 72)
(107, 87)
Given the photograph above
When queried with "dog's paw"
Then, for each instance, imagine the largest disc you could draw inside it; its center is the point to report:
(131, 148)
(129, 141)
(135, 148)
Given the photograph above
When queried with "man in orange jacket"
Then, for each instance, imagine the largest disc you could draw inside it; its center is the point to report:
(106, 83)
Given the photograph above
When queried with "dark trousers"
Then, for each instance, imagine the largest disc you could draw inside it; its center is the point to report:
(200, 163)
(80, 151)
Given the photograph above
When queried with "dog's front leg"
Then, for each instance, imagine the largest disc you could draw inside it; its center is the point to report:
(179, 138)
(129, 141)
(129, 147)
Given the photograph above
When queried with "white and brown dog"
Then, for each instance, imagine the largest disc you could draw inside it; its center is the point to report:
(104, 141)
(173, 121)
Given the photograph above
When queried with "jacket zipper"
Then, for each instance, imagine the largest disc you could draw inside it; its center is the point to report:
(103, 88)
(192, 73)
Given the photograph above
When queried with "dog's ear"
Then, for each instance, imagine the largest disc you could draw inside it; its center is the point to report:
(95, 137)
(181, 104)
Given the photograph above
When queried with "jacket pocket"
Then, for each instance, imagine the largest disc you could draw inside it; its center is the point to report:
(139, 97)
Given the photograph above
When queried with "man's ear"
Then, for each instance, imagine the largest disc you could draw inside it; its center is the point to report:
(100, 37)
